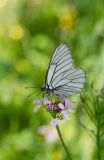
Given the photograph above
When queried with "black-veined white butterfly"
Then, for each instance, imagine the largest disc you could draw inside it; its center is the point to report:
(62, 77)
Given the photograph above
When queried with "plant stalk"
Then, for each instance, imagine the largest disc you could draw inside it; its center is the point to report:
(60, 136)
(98, 143)
(98, 131)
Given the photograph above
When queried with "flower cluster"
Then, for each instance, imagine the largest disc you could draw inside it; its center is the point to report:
(59, 109)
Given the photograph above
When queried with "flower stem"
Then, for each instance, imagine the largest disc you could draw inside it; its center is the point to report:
(66, 150)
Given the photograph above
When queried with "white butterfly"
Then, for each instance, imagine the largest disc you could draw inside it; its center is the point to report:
(62, 77)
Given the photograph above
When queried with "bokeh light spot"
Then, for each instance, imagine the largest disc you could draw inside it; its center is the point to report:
(3, 3)
(16, 32)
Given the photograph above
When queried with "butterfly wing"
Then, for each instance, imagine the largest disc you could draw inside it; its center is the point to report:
(75, 80)
(62, 77)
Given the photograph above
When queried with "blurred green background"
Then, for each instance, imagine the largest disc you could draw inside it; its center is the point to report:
(30, 30)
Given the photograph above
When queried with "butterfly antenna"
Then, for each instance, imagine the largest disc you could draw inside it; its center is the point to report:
(31, 94)
(31, 87)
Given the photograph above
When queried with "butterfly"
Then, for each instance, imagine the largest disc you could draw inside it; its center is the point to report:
(62, 78)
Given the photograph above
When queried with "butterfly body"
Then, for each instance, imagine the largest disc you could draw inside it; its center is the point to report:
(47, 90)
(62, 77)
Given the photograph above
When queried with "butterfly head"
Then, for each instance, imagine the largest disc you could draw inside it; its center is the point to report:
(42, 89)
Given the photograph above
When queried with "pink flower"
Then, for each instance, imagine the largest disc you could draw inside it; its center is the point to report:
(58, 109)
(37, 108)
(39, 105)
(61, 106)
(55, 121)
(64, 111)
(65, 115)
(67, 102)
(72, 110)
(46, 101)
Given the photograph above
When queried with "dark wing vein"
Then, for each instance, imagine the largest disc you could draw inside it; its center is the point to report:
(65, 78)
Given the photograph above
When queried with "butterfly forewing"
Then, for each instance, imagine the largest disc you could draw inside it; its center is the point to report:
(63, 61)
(62, 77)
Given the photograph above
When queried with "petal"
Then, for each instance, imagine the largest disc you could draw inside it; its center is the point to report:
(46, 101)
(55, 121)
(64, 111)
(36, 101)
(65, 115)
(61, 106)
(37, 108)
(72, 110)
(67, 102)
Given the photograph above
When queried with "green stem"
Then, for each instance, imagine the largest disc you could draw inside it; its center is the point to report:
(98, 131)
(98, 143)
(66, 150)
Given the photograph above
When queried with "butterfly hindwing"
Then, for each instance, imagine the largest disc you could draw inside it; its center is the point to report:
(74, 82)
